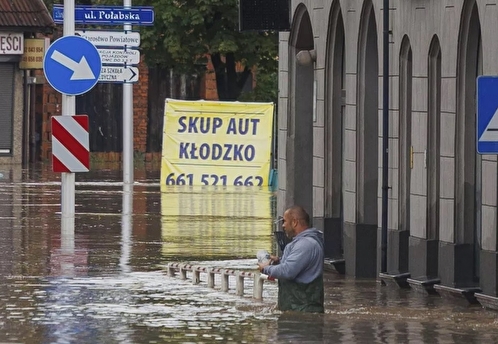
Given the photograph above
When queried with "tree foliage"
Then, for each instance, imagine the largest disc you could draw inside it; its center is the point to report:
(188, 32)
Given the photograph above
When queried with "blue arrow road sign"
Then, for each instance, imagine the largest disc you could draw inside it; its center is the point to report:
(72, 65)
(487, 115)
(107, 15)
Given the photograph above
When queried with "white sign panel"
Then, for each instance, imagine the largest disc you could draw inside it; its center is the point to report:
(119, 56)
(118, 74)
(111, 38)
(11, 43)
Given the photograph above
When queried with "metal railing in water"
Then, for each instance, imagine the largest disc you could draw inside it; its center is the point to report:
(225, 274)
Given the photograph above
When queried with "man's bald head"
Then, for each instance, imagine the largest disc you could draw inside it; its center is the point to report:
(296, 220)
(298, 213)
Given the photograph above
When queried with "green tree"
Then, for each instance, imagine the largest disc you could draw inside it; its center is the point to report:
(187, 32)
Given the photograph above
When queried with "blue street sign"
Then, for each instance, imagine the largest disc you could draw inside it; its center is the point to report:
(72, 65)
(107, 15)
(487, 115)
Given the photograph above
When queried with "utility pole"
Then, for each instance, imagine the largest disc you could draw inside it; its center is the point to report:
(385, 135)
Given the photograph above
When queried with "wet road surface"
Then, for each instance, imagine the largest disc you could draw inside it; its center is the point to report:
(107, 281)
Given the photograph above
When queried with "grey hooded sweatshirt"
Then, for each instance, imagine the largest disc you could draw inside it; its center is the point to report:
(302, 260)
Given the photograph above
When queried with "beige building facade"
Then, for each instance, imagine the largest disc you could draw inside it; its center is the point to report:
(442, 196)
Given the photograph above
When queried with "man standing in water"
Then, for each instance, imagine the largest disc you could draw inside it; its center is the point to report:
(300, 270)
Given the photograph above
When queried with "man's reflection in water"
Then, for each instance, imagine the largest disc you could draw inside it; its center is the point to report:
(298, 327)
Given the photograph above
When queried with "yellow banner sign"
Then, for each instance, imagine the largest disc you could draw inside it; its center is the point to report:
(34, 50)
(216, 143)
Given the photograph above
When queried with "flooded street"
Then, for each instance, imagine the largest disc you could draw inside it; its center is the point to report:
(107, 281)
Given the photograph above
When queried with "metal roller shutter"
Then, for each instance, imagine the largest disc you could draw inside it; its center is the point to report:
(6, 106)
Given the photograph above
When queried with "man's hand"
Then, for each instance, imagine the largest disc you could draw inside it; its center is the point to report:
(273, 261)
(262, 265)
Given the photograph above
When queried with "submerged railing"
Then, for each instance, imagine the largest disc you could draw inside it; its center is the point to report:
(225, 274)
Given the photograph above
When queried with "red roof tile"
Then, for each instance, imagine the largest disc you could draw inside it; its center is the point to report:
(25, 14)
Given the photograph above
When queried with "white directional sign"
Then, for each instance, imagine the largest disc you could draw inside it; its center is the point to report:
(111, 38)
(115, 48)
(118, 74)
(119, 56)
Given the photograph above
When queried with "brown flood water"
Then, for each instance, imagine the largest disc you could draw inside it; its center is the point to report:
(106, 280)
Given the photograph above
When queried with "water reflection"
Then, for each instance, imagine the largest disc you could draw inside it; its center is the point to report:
(215, 222)
(126, 227)
(102, 280)
(304, 328)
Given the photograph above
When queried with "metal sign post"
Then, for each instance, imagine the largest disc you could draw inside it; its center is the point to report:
(385, 136)
(127, 121)
(68, 179)
(68, 109)
(127, 210)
